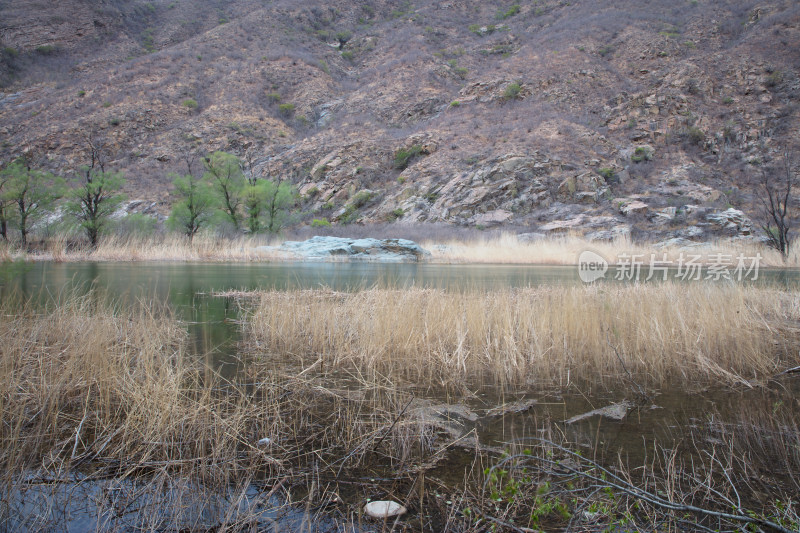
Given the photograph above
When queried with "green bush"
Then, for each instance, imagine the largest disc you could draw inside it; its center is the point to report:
(46, 49)
(608, 174)
(273, 98)
(605, 50)
(191, 103)
(513, 91)
(403, 156)
(342, 37)
(394, 215)
(642, 153)
(361, 199)
(482, 31)
(320, 223)
(114, 121)
(513, 10)
(286, 109)
(695, 135)
(135, 224)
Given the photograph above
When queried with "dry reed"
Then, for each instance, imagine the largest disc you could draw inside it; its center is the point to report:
(109, 392)
(542, 336)
(498, 248)
(565, 249)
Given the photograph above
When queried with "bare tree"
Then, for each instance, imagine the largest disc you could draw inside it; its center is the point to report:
(775, 195)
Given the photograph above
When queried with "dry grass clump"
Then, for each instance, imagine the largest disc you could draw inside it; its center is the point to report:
(204, 247)
(565, 249)
(544, 335)
(95, 396)
(167, 247)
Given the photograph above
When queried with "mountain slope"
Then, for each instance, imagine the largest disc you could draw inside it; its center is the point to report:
(533, 114)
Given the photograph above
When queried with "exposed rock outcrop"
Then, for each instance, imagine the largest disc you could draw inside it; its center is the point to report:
(326, 248)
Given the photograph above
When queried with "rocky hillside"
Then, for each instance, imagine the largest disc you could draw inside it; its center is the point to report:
(549, 115)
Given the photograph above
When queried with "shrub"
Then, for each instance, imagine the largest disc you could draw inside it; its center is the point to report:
(394, 215)
(46, 49)
(513, 10)
(342, 37)
(403, 156)
(191, 103)
(273, 98)
(642, 153)
(727, 100)
(455, 103)
(320, 223)
(114, 121)
(695, 135)
(608, 174)
(774, 79)
(286, 109)
(81, 93)
(513, 91)
(135, 224)
(361, 199)
(482, 31)
(605, 50)
(347, 55)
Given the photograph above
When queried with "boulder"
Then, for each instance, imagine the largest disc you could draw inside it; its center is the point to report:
(631, 208)
(492, 218)
(380, 250)
(731, 220)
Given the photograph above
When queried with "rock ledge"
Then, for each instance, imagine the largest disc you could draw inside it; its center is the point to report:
(325, 248)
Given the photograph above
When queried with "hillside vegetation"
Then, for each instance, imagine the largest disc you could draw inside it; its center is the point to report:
(549, 115)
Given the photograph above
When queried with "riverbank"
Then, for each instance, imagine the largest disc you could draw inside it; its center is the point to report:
(497, 248)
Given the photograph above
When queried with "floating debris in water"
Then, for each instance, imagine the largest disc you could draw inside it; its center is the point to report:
(513, 407)
(615, 411)
(384, 509)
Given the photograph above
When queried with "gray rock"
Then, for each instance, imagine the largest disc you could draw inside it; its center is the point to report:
(380, 250)
(691, 232)
(731, 220)
(677, 242)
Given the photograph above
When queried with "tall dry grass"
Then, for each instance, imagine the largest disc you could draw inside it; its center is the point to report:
(92, 391)
(171, 247)
(545, 336)
(497, 247)
(565, 249)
